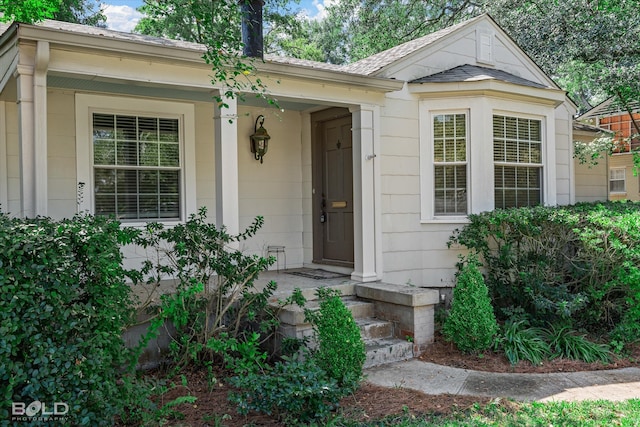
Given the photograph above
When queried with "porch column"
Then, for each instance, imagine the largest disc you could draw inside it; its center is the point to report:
(226, 173)
(364, 193)
(26, 120)
(31, 76)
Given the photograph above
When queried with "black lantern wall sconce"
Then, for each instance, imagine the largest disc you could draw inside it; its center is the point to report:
(259, 139)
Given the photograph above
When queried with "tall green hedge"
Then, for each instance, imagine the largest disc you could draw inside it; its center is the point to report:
(64, 303)
(577, 265)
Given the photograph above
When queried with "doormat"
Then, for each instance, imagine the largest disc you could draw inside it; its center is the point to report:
(317, 274)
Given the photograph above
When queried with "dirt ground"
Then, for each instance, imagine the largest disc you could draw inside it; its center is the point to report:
(445, 353)
(370, 401)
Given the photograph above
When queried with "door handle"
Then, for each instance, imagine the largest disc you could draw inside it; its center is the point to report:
(323, 217)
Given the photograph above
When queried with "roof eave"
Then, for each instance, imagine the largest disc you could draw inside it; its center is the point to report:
(550, 96)
(8, 55)
(309, 73)
(123, 47)
(8, 34)
(178, 53)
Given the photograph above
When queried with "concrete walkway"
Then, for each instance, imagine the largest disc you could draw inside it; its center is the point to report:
(429, 378)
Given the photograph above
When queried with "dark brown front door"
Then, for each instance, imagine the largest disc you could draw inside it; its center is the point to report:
(333, 188)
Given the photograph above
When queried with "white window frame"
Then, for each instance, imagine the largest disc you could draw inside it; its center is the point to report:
(540, 165)
(623, 179)
(464, 163)
(428, 166)
(87, 104)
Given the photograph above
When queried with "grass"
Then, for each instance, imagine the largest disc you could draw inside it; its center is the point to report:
(513, 414)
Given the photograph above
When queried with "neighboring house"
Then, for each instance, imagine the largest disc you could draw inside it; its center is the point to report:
(592, 180)
(370, 168)
(623, 179)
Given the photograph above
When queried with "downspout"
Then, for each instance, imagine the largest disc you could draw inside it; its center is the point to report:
(4, 187)
(40, 126)
(377, 188)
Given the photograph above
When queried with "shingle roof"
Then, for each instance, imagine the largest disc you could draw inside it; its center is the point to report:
(470, 73)
(367, 66)
(150, 40)
(118, 35)
(373, 63)
(304, 63)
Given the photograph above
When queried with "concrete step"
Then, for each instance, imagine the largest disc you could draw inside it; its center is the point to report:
(345, 289)
(294, 315)
(382, 351)
(372, 328)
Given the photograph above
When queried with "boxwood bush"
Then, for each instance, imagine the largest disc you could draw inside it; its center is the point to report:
(340, 350)
(577, 266)
(304, 388)
(471, 323)
(64, 303)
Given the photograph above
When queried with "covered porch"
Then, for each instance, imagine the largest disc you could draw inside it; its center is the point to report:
(54, 88)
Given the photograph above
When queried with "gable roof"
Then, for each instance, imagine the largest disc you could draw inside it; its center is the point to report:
(367, 68)
(469, 73)
(375, 62)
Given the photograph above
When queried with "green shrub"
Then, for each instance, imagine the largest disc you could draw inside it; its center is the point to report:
(64, 304)
(340, 349)
(307, 386)
(215, 296)
(572, 265)
(567, 344)
(519, 342)
(471, 324)
(296, 390)
(240, 357)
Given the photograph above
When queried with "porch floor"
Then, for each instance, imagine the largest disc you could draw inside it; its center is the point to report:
(289, 279)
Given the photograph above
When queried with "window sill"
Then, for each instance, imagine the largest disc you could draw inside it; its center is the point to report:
(142, 224)
(446, 220)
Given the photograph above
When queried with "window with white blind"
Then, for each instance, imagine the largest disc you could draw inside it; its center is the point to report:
(450, 164)
(136, 166)
(517, 155)
(617, 180)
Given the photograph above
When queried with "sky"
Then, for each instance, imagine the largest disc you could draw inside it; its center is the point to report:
(122, 15)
